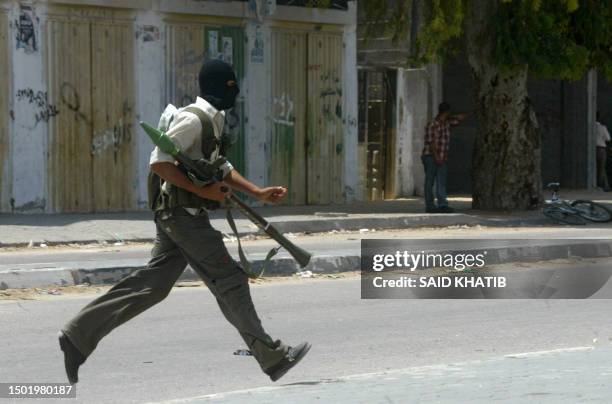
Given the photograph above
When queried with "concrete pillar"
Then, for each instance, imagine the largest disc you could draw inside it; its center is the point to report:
(32, 110)
(6, 177)
(414, 97)
(258, 96)
(149, 87)
(404, 178)
(436, 89)
(352, 185)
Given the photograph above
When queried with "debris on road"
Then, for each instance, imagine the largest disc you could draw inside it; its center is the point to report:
(331, 214)
(86, 289)
(243, 352)
(188, 284)
(53, 292)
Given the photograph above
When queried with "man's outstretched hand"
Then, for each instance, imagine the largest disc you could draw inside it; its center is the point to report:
(272, 194)
(267, 195)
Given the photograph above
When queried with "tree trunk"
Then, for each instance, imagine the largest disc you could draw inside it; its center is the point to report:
(506, 158)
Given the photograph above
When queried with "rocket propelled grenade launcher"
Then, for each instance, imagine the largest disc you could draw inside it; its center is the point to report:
(166, 145)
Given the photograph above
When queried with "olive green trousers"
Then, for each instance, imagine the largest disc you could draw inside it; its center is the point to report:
(181, 239)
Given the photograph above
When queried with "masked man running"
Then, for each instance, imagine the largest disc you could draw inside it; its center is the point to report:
(185, 235)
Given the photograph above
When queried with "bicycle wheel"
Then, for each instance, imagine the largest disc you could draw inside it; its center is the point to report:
(562, 216)
(592, 211)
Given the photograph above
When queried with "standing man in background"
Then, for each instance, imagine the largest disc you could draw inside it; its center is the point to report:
(435, 156)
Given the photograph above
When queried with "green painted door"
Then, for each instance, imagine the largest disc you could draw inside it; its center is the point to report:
(228, 43)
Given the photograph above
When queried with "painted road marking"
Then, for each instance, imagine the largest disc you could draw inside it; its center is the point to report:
(417, 371)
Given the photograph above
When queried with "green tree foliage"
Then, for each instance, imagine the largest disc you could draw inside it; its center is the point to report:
(555, 38)
(559, 39)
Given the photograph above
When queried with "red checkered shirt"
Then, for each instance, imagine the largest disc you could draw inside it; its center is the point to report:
(438, 132)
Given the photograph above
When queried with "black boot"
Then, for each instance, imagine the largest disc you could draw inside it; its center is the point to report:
(290, 360)
(72, 358)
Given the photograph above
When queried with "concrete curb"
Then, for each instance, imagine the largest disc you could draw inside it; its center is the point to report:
(402, 222)
(97, 274)
(316, 225)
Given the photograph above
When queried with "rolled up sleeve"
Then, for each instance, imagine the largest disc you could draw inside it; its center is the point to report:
(226, 168)
(183, 133)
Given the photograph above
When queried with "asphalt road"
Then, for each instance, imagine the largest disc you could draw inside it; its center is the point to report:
(182, 348)
(334, 244)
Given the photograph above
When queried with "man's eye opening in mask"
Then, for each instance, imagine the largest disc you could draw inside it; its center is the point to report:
(218, 84)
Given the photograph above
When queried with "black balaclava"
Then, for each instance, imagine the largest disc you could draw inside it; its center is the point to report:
(213, 79)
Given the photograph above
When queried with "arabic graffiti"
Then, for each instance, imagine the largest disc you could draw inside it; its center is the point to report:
(283, 110)
(40, 99)
(115, 137)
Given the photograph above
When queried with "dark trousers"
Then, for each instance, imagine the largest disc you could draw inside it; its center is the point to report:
(181, 239)
(434, 174)
(602, 176)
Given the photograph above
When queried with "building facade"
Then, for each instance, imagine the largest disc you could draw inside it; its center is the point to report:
(395, 102)
(80, 74)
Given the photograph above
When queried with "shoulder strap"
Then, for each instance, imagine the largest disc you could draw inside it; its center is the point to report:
(209, 140)
(246, 266)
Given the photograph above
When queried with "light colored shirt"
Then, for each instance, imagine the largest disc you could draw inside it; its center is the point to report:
(602, 134)
(186, 132)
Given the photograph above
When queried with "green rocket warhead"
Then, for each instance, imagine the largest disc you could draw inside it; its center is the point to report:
(160, 139)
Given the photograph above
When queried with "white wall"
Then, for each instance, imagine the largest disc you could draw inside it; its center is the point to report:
(149, 87)
(418, 94)
(258, 88)
(28, 154)
(352, 183)
(29, 137)
(6, 186)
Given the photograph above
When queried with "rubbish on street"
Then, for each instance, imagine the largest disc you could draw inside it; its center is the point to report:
(243, 352)
(331, 214)
(53, 292)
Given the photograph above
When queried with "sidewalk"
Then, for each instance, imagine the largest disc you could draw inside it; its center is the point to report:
(22, 230)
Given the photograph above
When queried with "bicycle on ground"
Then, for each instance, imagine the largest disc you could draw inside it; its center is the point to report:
(573, 212)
